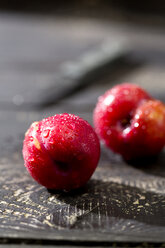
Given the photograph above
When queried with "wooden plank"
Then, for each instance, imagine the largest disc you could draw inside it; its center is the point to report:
(118, 204)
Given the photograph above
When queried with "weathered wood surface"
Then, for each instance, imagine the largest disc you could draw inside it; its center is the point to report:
(123, 203)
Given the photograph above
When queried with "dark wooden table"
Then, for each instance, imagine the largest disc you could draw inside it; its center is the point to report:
(41, 58)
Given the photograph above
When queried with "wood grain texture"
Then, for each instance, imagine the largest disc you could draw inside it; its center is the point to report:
(120, 202)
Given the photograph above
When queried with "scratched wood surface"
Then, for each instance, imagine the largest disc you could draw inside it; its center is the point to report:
(122, 202)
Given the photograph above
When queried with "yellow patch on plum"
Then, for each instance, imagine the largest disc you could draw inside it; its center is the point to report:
(37, 144)
(156, 116)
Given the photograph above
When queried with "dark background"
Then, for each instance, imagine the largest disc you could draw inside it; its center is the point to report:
(95, 8)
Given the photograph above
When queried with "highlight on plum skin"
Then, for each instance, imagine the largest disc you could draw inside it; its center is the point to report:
(61, 152)
(130, 122)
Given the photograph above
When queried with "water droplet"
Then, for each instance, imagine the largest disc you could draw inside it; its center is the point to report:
(46, 133)
(72, 125)
(126, 130)
(108, 100)
(136, 124)
(137, 116)
(109, 132)
(109, 110)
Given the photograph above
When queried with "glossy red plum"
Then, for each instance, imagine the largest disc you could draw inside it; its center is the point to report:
(61, 152)
(130, 122)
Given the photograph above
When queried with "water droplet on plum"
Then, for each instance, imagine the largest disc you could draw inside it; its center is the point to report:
(136, 124)
(109, 132)
(46, 133)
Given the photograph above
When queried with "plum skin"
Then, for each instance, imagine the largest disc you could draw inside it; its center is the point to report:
(130, 122)
(61, 152)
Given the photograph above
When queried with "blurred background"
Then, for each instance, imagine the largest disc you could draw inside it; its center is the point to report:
(48, 49)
